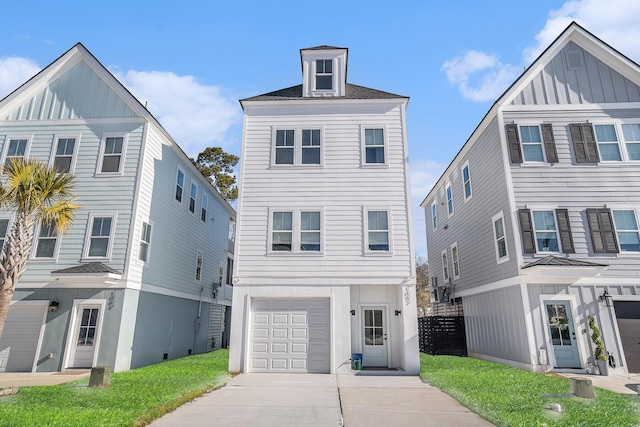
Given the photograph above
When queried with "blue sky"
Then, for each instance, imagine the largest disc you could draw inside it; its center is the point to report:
(193, 60)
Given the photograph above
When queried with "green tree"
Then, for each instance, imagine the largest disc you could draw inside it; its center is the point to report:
(217, 166)
(423, 291)
(36, 192)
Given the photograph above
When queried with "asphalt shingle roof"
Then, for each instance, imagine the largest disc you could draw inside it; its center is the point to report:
(351, 92)
(557, 261)
(88, 268)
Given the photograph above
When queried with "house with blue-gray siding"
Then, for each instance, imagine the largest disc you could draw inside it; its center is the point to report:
(141, 275)
(535, 224)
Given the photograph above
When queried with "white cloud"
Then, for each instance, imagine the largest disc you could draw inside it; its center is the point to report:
(14, 71)
(195, 115)
(424, 174)
(481, 76)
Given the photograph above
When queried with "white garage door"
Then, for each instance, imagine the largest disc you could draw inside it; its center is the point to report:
(290, 336)
(20, 337)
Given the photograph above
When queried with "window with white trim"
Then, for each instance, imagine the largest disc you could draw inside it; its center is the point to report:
(193, 194)
(608, 145)
(111, 158)
(64, 154)
(378, 239)
(449, 193)
(203, 208)
(287, 151)
(4, 229)
(285, 146)
(282, 231)
(99, 236)
(531, 140)
(374, 146)
(296, 231)
(627, 231)
(310, 147)
(199, 262)
(500, 238)
(546, 231)
(324, 74)
(631, 135)
(466, 182)
(434, 216)
(455, 260)
(179, 186)
(310, 231)
(17, 148)
(46, 241)
(445, 266)
(145, 242)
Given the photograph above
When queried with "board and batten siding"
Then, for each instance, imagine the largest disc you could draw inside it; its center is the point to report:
(471, 224)
(578, 186)
(177, 233)
(341, 188)
(593, 83)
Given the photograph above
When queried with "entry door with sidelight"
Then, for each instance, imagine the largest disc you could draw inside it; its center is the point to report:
(374, 346)
(86, 332)
(562, 333)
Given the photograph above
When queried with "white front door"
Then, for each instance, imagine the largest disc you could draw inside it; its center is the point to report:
(562, 334)
(86, 332)
(374, 334)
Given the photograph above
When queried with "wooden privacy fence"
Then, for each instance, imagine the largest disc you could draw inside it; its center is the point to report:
(442, 335)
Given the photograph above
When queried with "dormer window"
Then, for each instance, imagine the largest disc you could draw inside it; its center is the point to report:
(324, 74)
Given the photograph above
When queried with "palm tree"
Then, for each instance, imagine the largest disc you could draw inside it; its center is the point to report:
(36, 192)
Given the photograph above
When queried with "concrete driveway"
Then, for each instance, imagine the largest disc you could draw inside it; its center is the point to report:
(323, 400)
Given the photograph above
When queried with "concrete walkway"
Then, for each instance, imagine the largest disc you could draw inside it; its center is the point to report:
(323, 400)
(23, 379)
(618, 382)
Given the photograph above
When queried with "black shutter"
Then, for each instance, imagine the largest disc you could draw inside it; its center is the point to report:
(584, 143)
(603, 235)
(549, 143)
(564, 228)
(515, 151)
(526, 229)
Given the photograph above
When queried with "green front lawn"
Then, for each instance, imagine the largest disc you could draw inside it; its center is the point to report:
(508, 396)
(134, 398)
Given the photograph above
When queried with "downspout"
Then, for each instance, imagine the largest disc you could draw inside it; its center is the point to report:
(198, 322)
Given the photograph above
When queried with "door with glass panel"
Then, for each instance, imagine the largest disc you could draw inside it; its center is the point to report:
(562, 334)
(374, 333)
(85, 336)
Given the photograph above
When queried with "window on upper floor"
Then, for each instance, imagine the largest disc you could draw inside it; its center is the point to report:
(378, 231)
(449, 193)
(631, 135)
(17, 148)
(466, 181)
(145, 242)
(626, 224)
(99, 236)
(602, 231)
(607, 140)
(203, 208)
(307, 152)
(46, 241)
(310, 147)
(296, 231)
(531, 143)
(310, 231)
(434, 216)
(500, 239)
(179, 186)
(112, 155)
(374, 146)
(455, 260)
(4, 229)
(282, 231)
(230, 271)
(445, 266)
(63, 155)
(193, 194)
(545, 230)
(285, 146)
(324, 74)
(199, 262)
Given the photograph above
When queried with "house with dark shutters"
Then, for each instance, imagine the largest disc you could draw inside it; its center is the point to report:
(535, 224)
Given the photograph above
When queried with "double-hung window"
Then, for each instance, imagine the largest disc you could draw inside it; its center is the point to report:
(449, 192)
(607, 140)
(626, 223)
(531, 144)
(111, 158)
(199, 262)
(145, 242)
(434, 216)
(46, 241)
(445, 266)
(378, 239)
(311, 146)
(500, 238)
(310, 231)
(324, 74)
(374, 146)
(193, 194)
(631, 135)
(203, 208)
(546, 232)
(285, 146)
(282, 231)
(179, 186)
(296, 231)
(63, 154)
(99, 236)
(17, 149)
(466, 181)
(455, 260)
(299, 146)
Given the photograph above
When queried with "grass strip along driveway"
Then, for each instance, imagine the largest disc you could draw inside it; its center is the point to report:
(134, 397)
(508, 396)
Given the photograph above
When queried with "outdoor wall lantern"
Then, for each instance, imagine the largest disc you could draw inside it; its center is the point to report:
(608, 299)
(53, 305)
(398, 312)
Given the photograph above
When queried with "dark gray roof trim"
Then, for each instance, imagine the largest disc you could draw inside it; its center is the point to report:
(563, 262)
(323, 47)
(351, 92)
(89, 268)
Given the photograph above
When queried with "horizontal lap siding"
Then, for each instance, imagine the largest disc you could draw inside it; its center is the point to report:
(341, 187)
(576, 187)
(471, 224)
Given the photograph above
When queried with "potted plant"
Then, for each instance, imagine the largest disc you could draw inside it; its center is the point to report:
(600, 354)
